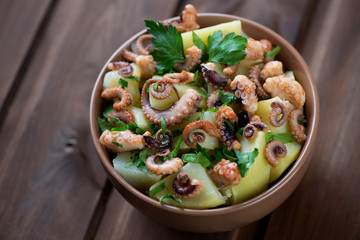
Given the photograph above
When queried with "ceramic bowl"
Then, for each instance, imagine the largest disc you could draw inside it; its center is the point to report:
(230, 217)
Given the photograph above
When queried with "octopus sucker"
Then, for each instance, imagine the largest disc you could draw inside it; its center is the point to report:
(188, 20)
(144, 44)
(122, 141)
(225, 173)
(279, 113)
(254, 76)
(168, 167)
(183, 77)
(227, 133)
(212, 77)
(297, 130)
(246, 91)
(286, 88)
(181, 109)
(146, 63)
(123, 68)
(206, 126)
(192, 59)
(123, 114)
(184, 187)
(214, 100)
(272, 69)
(274, 150)
(124, 98)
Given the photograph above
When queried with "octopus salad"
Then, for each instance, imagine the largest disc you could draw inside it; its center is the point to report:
(201, 117)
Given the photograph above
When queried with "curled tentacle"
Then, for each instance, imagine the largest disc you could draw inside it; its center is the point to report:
(188, 20)
(122, 141)
(250, 131)
(183, 77)
(274, 150)
(286, 88)
(227, 133)
(254, 76)
(279, 113)
(267, 47)
(214, 100)
(124, 68)
(230, 70)
(146, 63)
(272, 69)
(212, 77)
(297, 130)
(183, 108)
(184, 187)
(243, 119)
(168, 167)
(124, 115)
(125, 98)
(161, 141)
(161, 89)
(225, 172)
(144, 44)
(192, 59)
(245, 90)
(254, 50)
(206, 126)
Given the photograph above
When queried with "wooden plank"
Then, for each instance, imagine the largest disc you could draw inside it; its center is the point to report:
(284, 17)
(50, 176)
(19, 23)
(326, 204)
(121, 220)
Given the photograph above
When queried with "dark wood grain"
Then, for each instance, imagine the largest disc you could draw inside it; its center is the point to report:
(326, 204)
(50, 176)
(20, 21)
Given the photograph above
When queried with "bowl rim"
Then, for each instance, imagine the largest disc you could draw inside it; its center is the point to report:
(302, 158)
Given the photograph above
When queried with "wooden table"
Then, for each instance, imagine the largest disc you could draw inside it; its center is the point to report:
(52, 185)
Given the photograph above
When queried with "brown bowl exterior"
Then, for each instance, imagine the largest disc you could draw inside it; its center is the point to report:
(230, 217)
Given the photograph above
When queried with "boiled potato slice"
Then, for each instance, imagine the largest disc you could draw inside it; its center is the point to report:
(257, 178)
(293, 150)
(140, 118)
(132, 174)
(203, 33)
(245, 65)
(208, 197)
(111, 80)
(264, 110)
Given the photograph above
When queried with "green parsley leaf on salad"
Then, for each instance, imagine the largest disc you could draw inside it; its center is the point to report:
(123, 83)
(226, 97)
(273, 52)
(282, 137)
(168, 45)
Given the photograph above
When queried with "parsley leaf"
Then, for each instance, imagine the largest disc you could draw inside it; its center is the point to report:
(273, 52)
(196, 158)
(172, 196)
(245, 160)
(139, 159)
(225, 97)
(212, 109)
(282, 137)
(163, 125)
(228, 50)
(201, 45)
(123, 83)
(168, 45)
(117, 144)
(156, 189)
(175, 152)
(202, 92)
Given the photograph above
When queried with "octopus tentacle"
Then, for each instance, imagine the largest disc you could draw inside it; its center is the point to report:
(297, 130)
(272, 69)
(184, 187)
(267, 47)
(254, 50)
(122, 141)
(192, 59)
(144, 44)
(274, 150)
(183, 77)
(254, 76)
(168, 167)
(212, 77)
(250, 131)
(286, 88)
(214, 100)
(146, 63)
(161, 89)
(188, 20)
(278, 110)
(225, 172)
(124, 68)
(161, 141)
(227, 134)
(125, 98)
(181, 109)
(245, 90)
(230, 70)
(206, 126)
(123, 114)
